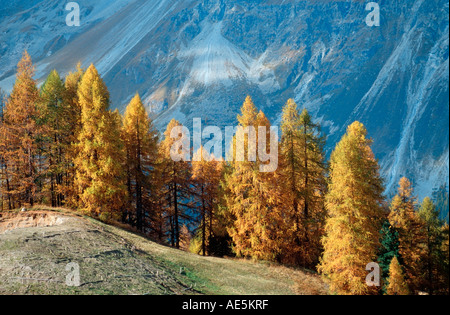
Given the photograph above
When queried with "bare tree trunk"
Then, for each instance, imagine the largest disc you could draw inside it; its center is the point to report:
(203, 223)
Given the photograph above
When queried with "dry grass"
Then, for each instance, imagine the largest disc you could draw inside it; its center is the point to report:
(233, 276)
(117, 261)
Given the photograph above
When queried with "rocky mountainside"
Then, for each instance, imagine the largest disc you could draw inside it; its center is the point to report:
(195, 58)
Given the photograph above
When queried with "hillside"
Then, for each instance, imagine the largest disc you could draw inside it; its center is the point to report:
(36, 246)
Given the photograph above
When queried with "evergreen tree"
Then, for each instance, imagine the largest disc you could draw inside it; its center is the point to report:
(397, 283)
(404, 218)
(389, 249)
(99, 175)
(354, 213)
(141, 140)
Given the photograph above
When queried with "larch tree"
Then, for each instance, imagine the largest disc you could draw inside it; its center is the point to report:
(185, 238)
(221, 243)
(303, 183)
(405, 219)
(54, 119)
(444, 270)
(71, 83)
(99, 175)
(355, 213)
(4, 200)
(2, 103)
(269, 228)
(175, 186)
(239, 186)
(397, 283)
(141, 141)
(206, 176)
(159, 226)
(19, 134)
(433, 242)
(252, 204)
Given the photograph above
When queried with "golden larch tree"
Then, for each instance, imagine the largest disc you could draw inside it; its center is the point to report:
(429, 216)
(404, 217)
(20, 132)
(206, 175)
(5, 200)
(354, 205)
(252, 204)
(397, 283)
(71, 84)
(174, 187)
(141, 140)
(100, 156)
(54, 117)
(303, 184)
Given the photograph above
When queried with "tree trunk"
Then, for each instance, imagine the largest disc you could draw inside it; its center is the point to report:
(203, 223)
(177, 225)
(139, 214)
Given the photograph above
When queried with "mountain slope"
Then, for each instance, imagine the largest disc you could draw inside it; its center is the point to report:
(197, 58)
(36, 246)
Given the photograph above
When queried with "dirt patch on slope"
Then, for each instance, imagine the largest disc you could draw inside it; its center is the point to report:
(10, 221)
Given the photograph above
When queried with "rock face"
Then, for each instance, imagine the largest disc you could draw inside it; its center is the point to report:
(197, 58)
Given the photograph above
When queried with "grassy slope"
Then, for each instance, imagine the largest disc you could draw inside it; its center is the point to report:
(115, 261)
